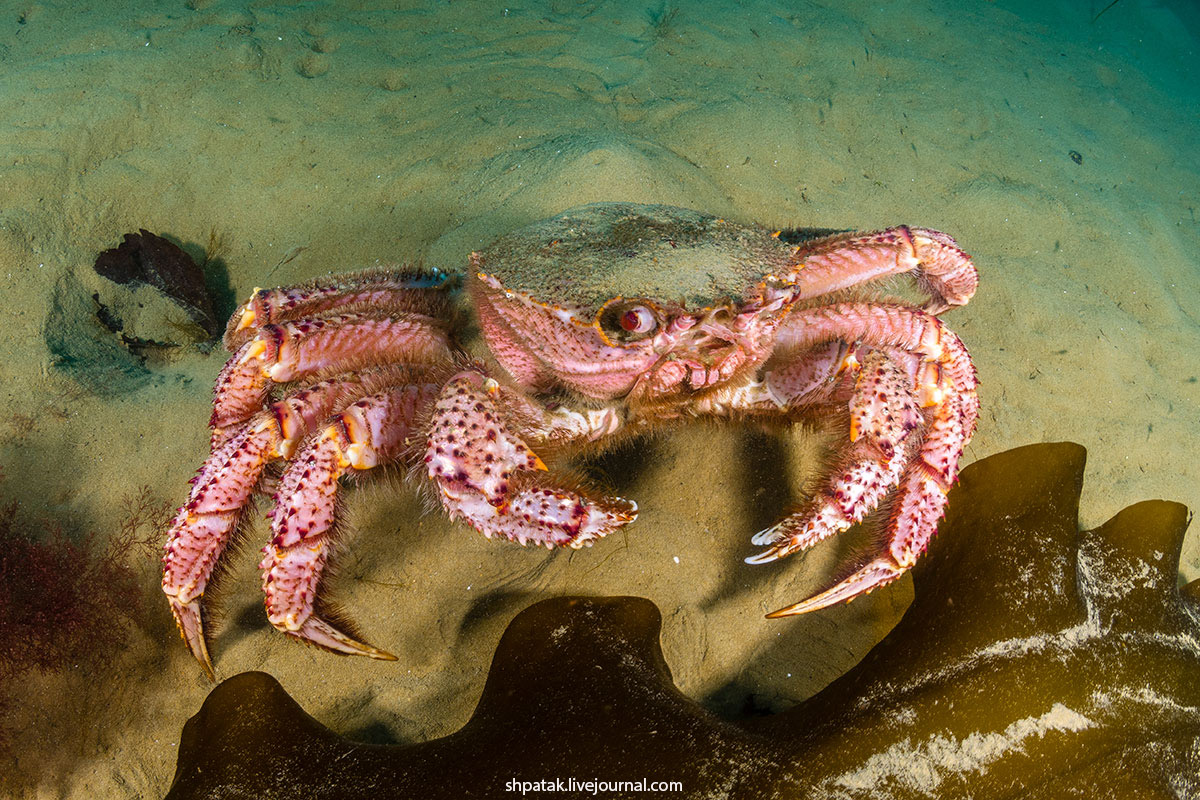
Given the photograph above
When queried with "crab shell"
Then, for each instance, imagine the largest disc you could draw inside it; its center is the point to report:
(616, 300)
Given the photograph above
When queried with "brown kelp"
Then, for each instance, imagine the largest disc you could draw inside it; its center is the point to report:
(1035, 661)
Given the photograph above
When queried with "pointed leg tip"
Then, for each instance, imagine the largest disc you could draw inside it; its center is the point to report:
(769, 555)
(875, 574)
(317, 631)
(208, 671)
(189, 618)
(763, 537)
(803, 607)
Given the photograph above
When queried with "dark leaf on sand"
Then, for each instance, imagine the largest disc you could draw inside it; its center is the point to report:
(146, 258)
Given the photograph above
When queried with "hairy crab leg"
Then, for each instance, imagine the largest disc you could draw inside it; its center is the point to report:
(299, 348)
(837, 262)
(204, 524)
(945, 387)
(407, 290)
(883, 412)
(490, 478)
(222, 488)
(370, 431)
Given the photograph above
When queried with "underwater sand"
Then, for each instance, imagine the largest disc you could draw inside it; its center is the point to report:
(333, 136)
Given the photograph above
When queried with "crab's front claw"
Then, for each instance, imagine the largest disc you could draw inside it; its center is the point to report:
(539, 513)
(487, 476)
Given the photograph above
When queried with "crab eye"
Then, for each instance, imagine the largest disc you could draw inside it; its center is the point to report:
(638, 320)
(628, 322)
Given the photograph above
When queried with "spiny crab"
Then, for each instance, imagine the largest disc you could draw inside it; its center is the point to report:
(599, 322)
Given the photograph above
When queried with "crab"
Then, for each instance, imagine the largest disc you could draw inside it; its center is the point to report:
(597, 324)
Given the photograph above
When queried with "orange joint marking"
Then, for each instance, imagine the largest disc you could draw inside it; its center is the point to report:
(254, 351)
(359, 453)
(538, 463)
(333, 432)
(929, 385)
(290, 431)
(491, 386)
(854, 429)
(248, 317)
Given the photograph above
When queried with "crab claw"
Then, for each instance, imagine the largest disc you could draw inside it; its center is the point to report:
(879, 572)
(487, 476)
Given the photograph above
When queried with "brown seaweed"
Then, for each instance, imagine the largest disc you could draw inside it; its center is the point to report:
(1035, 661)
(144, 257)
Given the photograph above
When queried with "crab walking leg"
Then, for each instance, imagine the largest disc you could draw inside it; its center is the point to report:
(296, 349)
(838, 262)
(369, 432)
(490, 478)
(406, 290)
(202, 528)
(945, 386)
(883, 412)
(222, 488)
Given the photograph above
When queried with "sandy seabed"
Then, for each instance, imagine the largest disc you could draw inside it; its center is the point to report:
(1060, 151)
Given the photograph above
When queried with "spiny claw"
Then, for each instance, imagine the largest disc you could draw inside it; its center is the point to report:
(191, 627)
(879, 572)
(776, 542)
(800, 532)
(320, 633)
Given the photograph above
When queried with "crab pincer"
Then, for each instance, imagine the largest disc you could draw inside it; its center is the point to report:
(489, 477)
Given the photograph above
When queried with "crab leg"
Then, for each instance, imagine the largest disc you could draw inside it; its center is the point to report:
(297, 349)
(838, 262)
(883, 412)
(404, 290)
(204, 524)
(222, 488)
(369, 432)
(490, 478)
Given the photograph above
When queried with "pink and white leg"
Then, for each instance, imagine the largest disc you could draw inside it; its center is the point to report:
(369, 432)
(935, 260)
(224, 486)
(910, 360)
(883, 413)
(389, 290)
(297, 349)
(221, 491)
